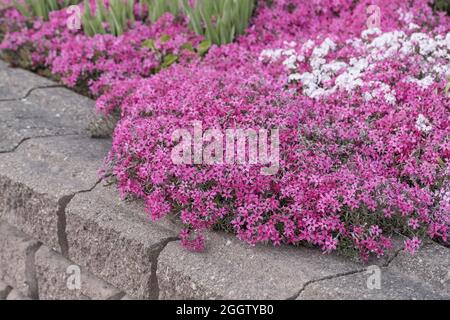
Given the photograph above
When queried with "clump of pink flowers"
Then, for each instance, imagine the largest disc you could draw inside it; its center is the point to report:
(97, 63)
(363, 118)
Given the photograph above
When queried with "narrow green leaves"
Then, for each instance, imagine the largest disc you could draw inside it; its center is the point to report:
(219, 20)
(41, 8)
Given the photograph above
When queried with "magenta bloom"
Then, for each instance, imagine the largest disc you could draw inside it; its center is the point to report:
(412, 245)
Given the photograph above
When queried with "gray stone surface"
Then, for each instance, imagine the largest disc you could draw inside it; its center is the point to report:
(16, 295)
(41, 176)
(393, 286)
(17, 260)
(46, 112)
(431, 264)
(15, 83)
(57, 281)
(230, 269)
(5, 289)
(115, 240)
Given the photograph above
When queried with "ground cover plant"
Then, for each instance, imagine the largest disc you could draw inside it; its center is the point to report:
(358, 91)
(90, 61)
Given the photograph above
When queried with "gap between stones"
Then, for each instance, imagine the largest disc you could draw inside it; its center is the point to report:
(62, 236)
(334, 276)
(62, 221)
(13, 149)
(30, 271)
(117, 296)
(153, 281)
(344, 274)
(64, 244)
(25, 97)
(28, 93)
(4, 294)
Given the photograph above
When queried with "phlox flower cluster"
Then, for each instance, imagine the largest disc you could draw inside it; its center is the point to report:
(95, 64)
(363, 118)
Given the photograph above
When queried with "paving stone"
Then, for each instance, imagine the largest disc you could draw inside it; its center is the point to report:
(115, 240)
(15, 83)
(17, 260)
(230, 269)
(16, 295)
(46, 112)
(393, 286)
(57, 279)
(4, 290)
(41, 176)
(431, 264)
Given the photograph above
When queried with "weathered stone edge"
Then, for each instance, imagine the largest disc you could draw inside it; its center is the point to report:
(39, 273)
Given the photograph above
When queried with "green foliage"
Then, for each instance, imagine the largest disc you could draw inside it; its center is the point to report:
(166, 58)
(117, 15)
(156, 8)
(41, 8)
(120, 13)
(203, 47)
(442, 5)
(219, 20)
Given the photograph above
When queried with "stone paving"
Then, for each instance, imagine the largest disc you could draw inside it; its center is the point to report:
(55, 214)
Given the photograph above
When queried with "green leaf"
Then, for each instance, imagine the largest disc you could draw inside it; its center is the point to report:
(169, 60)
(149, 43)
(220, 21)
(188, 46)
(165, 38)
(203, 47)
(101, 10)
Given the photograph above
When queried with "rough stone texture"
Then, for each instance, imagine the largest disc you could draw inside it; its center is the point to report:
(115, 240)
(16, 295)
(46, 112)
(394, 286)
(17, 260)
(431, 264)
(5, 289)
(16, 83)
(39, 179)
(230, 269)
(53, 278)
